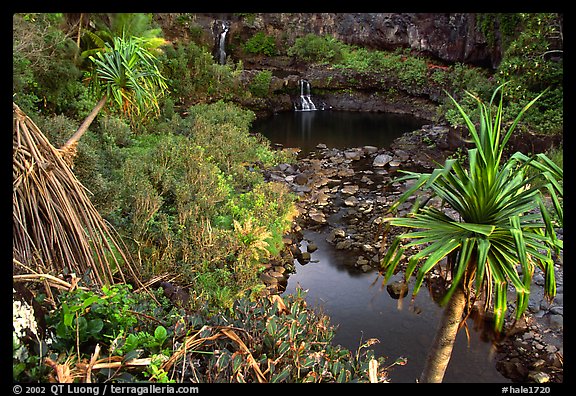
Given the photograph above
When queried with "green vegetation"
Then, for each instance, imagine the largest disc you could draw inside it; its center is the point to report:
(260, 43)
(208, 217)
(260, 85)
(172, 166)
(527, 64)
(503, 224)
(318, 49)
(132, 337)
(193, 76)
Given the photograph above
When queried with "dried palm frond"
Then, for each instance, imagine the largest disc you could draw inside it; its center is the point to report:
(55, 225)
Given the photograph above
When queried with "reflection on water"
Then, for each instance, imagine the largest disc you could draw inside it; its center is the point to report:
(337, 129)
(360, 306)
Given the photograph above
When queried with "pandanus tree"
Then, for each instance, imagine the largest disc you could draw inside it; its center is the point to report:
(504, 229)
(126, 73)
(55, 224)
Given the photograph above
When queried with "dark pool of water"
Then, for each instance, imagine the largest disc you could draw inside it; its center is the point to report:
(355, 301)
(336, 129)
(362, 309)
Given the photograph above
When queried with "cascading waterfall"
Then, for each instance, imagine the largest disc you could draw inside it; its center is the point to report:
(222, 43)
(306, 103)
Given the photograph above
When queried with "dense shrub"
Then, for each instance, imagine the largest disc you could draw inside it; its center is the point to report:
(195, 203)
(260, 85)
(317, 49)
(193, 75)
(260, 43)
(45, 76)
(215, 126)
(268, 340)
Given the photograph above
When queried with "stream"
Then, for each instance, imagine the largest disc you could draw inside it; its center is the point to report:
(356, 301)
(362, 308)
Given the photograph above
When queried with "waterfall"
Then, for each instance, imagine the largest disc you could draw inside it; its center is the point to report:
(306, 103)
(222, 42)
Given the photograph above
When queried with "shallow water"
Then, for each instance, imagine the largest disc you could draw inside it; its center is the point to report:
(355, 301)
(337, 129)
(362, 309)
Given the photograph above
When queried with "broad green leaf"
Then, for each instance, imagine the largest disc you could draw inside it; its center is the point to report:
(463, 261)
(271, 325)
(441, 251)
(160, 334)
(282, 375)
(483, 229)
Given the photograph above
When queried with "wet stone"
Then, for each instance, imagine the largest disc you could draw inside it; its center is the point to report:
(381, 160)
(304, 258)
(397, 289)
(353, 155)
(539, 377)
(349, 189)
(370, 149)
(352, 201)
(311, 248)
(345, 244)
(556, 321)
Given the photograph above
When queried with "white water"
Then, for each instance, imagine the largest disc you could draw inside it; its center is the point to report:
(305, 97)
(221, 44)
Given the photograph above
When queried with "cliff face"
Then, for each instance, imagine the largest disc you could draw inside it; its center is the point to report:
(450, 37)
(447, 38)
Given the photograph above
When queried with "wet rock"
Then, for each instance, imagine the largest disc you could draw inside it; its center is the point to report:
(277, 275)
(317, 216)
(301, 179)
(538, 377)
(397, 289)
(294, 250)
(268, 279)
(352, 201)
(279, 269)
(304, 258)
(370, 149)
(349, 189)
(302, 189)
(361, 261)
(402, 155)
(556, 321)
(345, 172)
(368, 248)
(365, 268)
(381, 160)
(353, 155)
(311, 248)
(336, 233)
(345, 244)
(513, 369)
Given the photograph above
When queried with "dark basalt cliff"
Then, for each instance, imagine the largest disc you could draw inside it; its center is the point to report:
(450, 37)
(447, 37)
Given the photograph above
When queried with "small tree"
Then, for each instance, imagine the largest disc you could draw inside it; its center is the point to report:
(503, 225)
(127, 73)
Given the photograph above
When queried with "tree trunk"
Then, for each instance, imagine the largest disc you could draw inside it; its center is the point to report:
(441, 350)
(84, 127)
(78, 37)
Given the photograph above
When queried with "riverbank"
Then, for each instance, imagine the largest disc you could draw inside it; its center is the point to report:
(348, 191)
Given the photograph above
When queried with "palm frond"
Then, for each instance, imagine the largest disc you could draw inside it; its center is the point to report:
(503, 222)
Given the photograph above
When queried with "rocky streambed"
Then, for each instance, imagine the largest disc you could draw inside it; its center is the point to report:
(346, 192)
